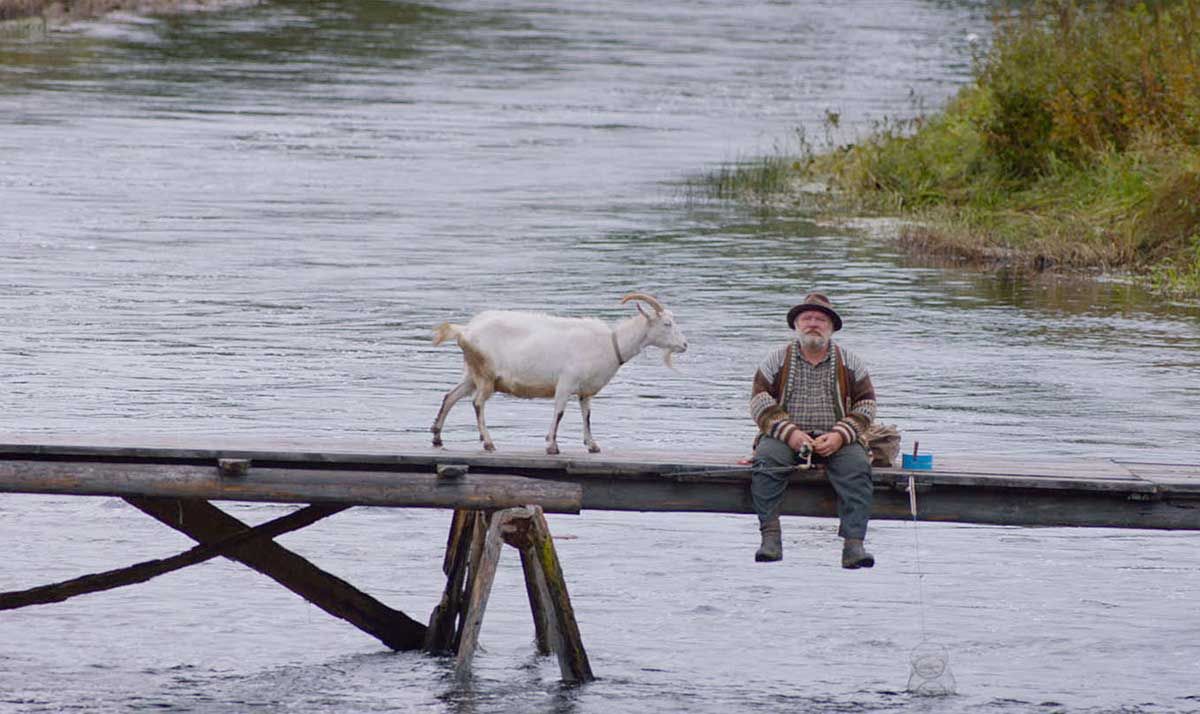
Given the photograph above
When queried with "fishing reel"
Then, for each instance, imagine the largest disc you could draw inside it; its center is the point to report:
(805, 453)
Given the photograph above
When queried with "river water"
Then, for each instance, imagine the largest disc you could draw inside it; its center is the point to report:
(243, 225)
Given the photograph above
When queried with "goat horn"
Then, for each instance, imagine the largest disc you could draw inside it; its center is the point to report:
(658, 308)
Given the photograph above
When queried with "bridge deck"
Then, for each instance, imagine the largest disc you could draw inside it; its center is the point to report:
(1102, 493)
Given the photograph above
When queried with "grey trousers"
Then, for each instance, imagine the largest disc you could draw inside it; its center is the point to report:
(849, 471)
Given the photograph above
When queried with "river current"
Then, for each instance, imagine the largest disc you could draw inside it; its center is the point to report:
(240, 226)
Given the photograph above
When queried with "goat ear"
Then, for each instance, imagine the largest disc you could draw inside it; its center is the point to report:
(638, 305)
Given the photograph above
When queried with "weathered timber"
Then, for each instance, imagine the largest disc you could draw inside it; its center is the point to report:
(482, 575)
(564, 634)
(207, 524)
(233, 468)
(441, 636)
(1106, 493)
(451, 470)
(141, 572)
(554, 619)
(286, 485)
(545, 637)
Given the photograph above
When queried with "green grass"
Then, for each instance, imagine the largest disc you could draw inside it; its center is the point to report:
(1077, 146)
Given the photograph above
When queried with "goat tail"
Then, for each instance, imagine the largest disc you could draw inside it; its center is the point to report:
(446, 331)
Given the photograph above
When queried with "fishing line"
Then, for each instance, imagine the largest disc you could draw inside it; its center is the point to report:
(912, 507)
(929, 674)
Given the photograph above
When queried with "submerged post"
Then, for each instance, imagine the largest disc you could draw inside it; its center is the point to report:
(470, 571)
(562, 631)
(441, 636)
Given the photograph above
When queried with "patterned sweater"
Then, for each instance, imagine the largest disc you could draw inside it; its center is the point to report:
(789, 394)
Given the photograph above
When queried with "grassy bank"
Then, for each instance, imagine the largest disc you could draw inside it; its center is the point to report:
(1077, 146)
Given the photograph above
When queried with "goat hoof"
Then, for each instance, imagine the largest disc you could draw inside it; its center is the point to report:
(437, 441)
(593, 448)
(552, 450)
(489, 446)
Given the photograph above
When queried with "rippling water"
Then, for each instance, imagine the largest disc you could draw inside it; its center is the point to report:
(245, 223)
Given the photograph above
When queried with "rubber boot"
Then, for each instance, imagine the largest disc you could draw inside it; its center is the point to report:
(854, 556)
(772, 542)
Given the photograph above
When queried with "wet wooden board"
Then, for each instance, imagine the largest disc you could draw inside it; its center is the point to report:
(1081, 493)
(171, 476)
(1170, 477)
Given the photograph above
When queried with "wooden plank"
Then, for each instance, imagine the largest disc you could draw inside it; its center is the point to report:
(1010, 507)
(1169, 479)
(286, 485)
(633, 463)
(207, 524)
(1017, 481)
(1090, 474)
(1093, 493)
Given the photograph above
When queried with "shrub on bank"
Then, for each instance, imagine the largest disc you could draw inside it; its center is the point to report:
(1077, 145)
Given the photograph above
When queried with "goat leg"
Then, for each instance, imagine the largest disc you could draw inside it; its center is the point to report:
(461, 390)
(552, 437)
(561, 394)
(585, 406)
(484, 436)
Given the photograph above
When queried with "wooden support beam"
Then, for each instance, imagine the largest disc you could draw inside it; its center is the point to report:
(141, 572)
(441, 636)
(1003, 491)
(207, 524)
(480, 587)
(287, 485)
(554, 619)
(572, 658)
(546, 637)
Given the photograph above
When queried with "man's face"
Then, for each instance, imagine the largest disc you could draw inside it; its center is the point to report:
(813, 328)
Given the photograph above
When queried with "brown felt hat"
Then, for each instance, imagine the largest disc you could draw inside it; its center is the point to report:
(815, 301)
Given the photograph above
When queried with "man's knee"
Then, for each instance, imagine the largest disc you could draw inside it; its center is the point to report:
(851, 468)
(852, 459)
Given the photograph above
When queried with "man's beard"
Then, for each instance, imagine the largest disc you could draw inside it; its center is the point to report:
(813, 343)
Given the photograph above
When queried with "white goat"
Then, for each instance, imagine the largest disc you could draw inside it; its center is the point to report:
(530, 355)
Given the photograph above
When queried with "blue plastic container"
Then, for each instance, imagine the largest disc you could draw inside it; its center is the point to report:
(920, 462)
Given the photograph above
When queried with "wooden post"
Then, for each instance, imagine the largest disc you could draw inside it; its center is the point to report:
(525, 529)
(441, 637)
(483, 573)
(572, 658)
(539, 604)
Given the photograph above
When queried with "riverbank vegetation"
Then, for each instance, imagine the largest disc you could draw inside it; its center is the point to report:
(1077, 146)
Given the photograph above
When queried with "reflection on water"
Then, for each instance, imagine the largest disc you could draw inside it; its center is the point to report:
(246, 223)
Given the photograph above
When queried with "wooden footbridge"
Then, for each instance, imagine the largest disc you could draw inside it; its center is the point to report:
(500, 498)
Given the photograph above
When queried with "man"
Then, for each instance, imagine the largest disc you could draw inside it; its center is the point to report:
(812, 396)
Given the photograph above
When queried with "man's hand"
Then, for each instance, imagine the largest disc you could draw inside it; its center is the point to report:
(828, 443)
(798, 439)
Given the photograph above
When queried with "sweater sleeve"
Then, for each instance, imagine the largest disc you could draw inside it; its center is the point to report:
(770, 416)
(862, 401)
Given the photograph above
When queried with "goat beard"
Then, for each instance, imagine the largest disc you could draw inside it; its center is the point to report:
(669, 359)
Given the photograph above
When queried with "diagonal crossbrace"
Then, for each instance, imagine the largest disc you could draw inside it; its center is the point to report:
(146, 570)
(208, 524)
